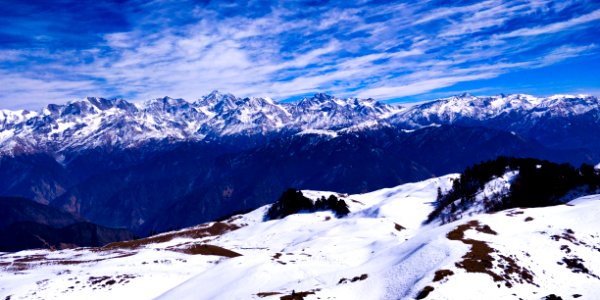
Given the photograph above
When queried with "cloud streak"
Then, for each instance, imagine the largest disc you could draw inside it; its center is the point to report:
(286, 49)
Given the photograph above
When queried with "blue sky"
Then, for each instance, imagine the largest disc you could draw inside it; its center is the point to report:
(55, 51)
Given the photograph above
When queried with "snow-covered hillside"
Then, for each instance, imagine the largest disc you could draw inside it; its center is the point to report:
(381, 250)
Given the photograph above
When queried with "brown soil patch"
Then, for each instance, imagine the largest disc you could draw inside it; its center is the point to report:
(267, 294)
(95, 280)
(528, 219)
(575, 264)
(552, 297)
(277, 255)
(297, 295)
(205, 249)
(513, 272)
(568, 235)
(565, 248)
(399, 227)
(354, 279)
(441, 274)
(106, 281)
(215, 229)
(459, 232)
(424, 292)
(480, 260)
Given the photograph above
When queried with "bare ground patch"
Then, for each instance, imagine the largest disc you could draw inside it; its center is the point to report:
(298, 295)
(206, 249)
(214, 229)
(399, 227)
(441, 274)
(569, 235)
(99, 282)
(575, 264)
(353, 279)
(267, 294)
(424, 292)
(480, 260)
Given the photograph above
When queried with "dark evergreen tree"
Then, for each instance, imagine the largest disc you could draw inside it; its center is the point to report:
(538, 183)
(292, 201)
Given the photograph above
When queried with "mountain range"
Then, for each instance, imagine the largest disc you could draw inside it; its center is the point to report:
(168, 163)
(98, 122)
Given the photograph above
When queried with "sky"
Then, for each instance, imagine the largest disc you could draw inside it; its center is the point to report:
(61, 50)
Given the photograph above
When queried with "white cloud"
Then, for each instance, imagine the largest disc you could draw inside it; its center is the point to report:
(388, 92)
(554, 27)
(376, 51)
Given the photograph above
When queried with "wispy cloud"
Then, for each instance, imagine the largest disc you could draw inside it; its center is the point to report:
(286, 49)
(554, 27)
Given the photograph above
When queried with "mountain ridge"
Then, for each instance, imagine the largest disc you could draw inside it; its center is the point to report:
(98, 122)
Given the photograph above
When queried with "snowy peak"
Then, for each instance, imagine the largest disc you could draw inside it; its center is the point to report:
(466, 108)
(323, 111)
(218, 102)
(93, 121)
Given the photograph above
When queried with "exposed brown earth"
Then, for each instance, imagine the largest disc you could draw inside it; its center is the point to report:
(480, 260)
(354, 279)
(399, 227)
(215, 229)
(206, 249)
(297, 295)
(441, 274)
(424, 292)
(267, 294)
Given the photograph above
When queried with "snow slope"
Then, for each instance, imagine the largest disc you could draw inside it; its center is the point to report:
(380, 250)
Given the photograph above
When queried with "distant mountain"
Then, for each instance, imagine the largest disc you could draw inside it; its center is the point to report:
(200, 181)
(25, 224)
(18, 210)
(560, 121)
(30, 235)
(124, 165)
(97, 122)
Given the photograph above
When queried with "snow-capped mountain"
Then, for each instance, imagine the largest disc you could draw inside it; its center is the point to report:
(381, 250)
(467, 108)
(559, 122)
(96, 122)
